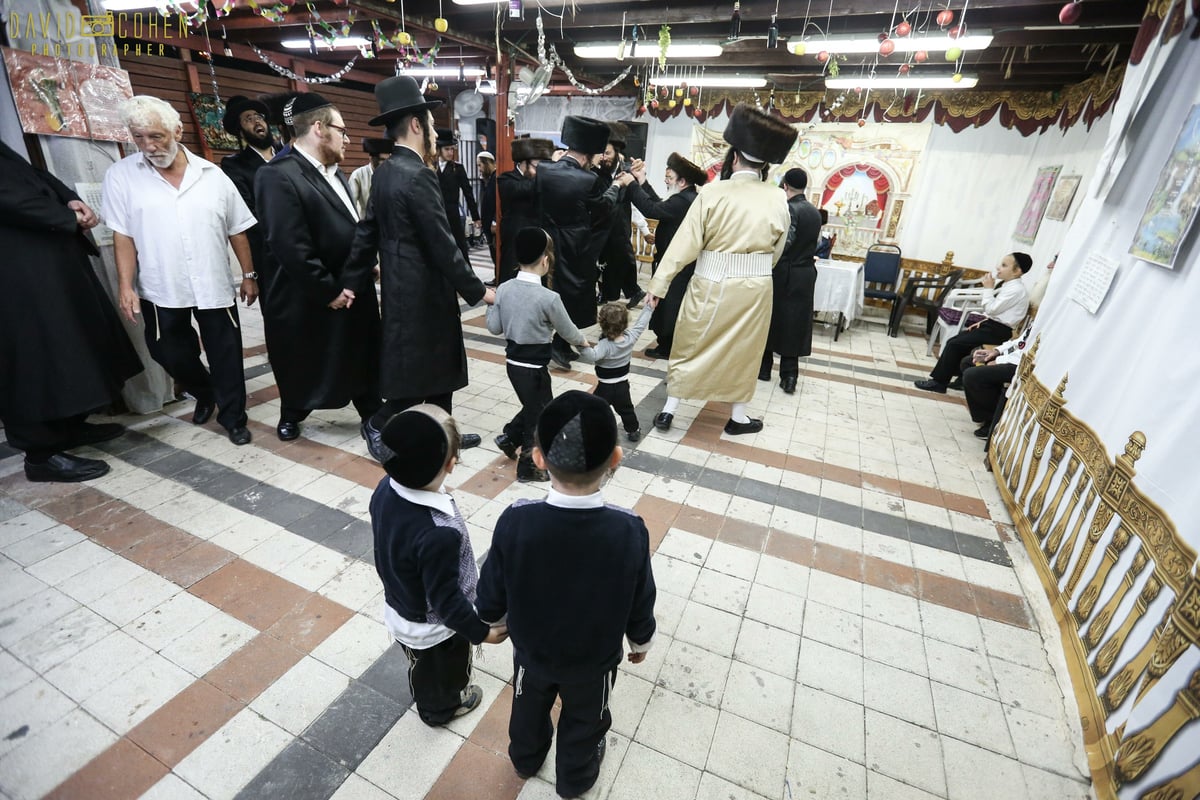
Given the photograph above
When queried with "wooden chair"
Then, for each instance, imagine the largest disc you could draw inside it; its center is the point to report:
(939, 286)
(643, 250)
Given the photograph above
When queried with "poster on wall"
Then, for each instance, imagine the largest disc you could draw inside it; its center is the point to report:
(1035, 205)
(60, 97)
(1172, 207)
(209, 113)
(1064, 193)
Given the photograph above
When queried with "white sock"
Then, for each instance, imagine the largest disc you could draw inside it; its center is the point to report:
(738, 414)
(671, 404)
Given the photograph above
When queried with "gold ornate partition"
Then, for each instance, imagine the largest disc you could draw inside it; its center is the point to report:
(1113, 566)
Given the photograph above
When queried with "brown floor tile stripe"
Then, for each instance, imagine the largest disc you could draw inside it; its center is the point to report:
(981, 601)
(291, 622)
(256, 350)
(705, 434)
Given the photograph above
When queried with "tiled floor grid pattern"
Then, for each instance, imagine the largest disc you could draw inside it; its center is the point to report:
(842, 610)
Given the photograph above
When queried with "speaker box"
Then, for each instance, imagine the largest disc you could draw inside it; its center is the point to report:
(635, 142)
(485, 134)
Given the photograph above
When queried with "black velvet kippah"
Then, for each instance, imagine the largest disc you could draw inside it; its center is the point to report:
(421, 447)
(796, 178)
(577, 432)
(531, 245)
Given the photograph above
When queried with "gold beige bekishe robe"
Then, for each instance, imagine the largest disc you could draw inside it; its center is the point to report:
(735, 231)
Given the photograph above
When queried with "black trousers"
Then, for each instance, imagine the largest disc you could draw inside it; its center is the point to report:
(367, 406)
(458, 228)
(532, 385)
(173, 343)
(984, 387)
(617, 396)
(584, 721)
(41, 439)
(620, 275)
(789, 366)
(958, 347)
(437, 676)
(394, 406)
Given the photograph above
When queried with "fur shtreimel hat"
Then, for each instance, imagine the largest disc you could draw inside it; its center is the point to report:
(585, 135)
(618, 134)
(420, 444)
(759, 136)
(233, 113)
(531, 245)
(378, 147)
(529, 149)
(577, 432)
(690, 172)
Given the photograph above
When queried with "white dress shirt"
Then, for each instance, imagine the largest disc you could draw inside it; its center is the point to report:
(181, 235)
(330, 173)
(1009, 304)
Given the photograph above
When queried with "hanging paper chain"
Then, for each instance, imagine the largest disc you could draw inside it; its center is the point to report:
(287, 73)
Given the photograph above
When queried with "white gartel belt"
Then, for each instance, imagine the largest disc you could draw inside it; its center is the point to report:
(716, 266)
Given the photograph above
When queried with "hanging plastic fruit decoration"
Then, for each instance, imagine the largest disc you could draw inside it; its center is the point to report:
(679, 91)
(944, 17)
(654, 105)
(800, 48)
(905, 69)
(403, 38)
(694, 91)
(953, 54)
(441, 25)
(687, 102)
(823, 56)
(861, 122)
(672, 103)
(1070, 13)
(957, 31)
(887, 47)
(956, 77)
(903, 29)
(433, 87)
(664, 44)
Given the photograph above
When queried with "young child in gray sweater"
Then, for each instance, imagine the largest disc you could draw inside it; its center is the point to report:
(611, 355)
(528, 315)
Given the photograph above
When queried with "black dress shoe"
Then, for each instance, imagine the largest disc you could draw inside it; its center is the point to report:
(955, 384)
(375, 446)
(89, 433)
(983, 432)
(506, 445)
(469, 440)
(240, 435)
(657, 352)
(930, 385)
(560, 359)
(527, 472)
(203, 412)
(64, 468)
(633, 436)
(637, 298)
(764, 374)
(738, 428)
(788, 384)
(288, 431)
(663, 421)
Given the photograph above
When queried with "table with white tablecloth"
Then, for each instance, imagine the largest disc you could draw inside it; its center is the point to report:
(839, 290)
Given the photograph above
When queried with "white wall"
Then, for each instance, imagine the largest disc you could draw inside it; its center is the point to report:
(969, 189)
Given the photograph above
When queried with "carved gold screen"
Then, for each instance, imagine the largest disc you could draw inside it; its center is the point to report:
(1113, 566)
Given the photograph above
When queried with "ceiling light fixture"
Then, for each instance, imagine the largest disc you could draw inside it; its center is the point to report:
(850, 45)
(651, 51)
(906, 82)
(705, 81)
(129, 5)
(338, 41)
(478, 2)
(444, 72)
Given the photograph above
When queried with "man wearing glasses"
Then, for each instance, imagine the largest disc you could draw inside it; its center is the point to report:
(321, 320)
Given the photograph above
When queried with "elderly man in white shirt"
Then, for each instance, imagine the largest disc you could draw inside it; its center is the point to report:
(173, 214)
(1007, 306)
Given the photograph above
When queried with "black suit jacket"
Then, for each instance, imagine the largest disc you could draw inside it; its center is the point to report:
(669, 212)
(241, 168)
(452, 179)
(322, 358)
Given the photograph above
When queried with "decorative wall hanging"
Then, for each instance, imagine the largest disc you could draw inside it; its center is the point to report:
(1172, 207)
(1035, 205)
(1064, 193)
(208, 112)
(60, 97)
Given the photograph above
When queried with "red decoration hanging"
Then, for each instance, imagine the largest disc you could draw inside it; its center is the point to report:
(1070, 13)
(945, 17)
(887, 47)
(903, 29)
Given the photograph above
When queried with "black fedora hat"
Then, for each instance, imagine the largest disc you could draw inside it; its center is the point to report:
(233, 112)
(398, 96)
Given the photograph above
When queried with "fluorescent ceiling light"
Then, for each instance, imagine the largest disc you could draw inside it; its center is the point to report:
(443, 72)
(978, 40)
(478, 2)
(339, 41)
(649, 50)
(902, 82)
(727, 81)
(128, 5)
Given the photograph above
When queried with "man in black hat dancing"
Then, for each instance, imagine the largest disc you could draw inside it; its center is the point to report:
(452, 178)
(322, 320)
(422, 270)
(518, 198)
(247, 120)
(574, 207)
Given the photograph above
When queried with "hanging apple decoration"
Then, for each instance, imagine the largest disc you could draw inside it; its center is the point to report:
(694, 91)
(905, 69)
(654, 105)
(672, 104)
(679, 91)
(687, 102)
(433, 87)
(441, 25)
(404, 38)
(823, 56)
(956, 31)
(903, 29)
(700, 115)
(861, 122)
(953, 53)
(1070, 13)
(920, 56)
(887, 47)
(800, 48)
(945, 17)
(956, 77)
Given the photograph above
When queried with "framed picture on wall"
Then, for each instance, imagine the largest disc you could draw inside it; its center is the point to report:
(1064, 193)
(1173, 204)
(208, 113)
(1035, 205)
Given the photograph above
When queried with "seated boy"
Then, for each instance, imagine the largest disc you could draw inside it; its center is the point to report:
(573, 577)
(529, 314)
(424, 557)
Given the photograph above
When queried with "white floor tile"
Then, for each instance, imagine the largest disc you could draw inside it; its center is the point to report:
(776, 608)
(975, 773)
(756, 694)
(709, 628)
(172, 787)
(62, 639)
(906, 752)
(902, 694)
(78, 676)
(47, 759)
(721, 591)
(643, 767)
(231, 757)
(694, 672)
(749, 755)
(29, 710)
(409, 735)
(966, 669)
(300, 695)
(772, 649)
(833, 627)
(896, 646)
(356, 645)
(132, 697)
(815, 773)
(830, 722)
(678, 727)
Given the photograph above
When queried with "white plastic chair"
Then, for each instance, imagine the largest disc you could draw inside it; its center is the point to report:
(962, 300)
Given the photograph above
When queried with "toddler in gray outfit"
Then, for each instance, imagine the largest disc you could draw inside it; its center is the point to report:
(611, 355)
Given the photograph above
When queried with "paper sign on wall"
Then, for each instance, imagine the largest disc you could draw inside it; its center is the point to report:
(1091, 285)
(91, 193)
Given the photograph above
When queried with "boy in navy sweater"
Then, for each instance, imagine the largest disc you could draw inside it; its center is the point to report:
(571, 577)
(424, 557)
(529, 314)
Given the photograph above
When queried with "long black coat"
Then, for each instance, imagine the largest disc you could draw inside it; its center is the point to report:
(423, 273)
(63, 350)
(322, 358)
(241, 168)
(518, 209)
(575, 207)
(670, 214)
(451, 180)
(795, 277)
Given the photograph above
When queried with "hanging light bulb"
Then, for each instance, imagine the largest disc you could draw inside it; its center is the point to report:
(735, 21)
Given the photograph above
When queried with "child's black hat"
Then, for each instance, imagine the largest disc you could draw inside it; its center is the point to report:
(577, 432)
(421, 447)
(531, 245)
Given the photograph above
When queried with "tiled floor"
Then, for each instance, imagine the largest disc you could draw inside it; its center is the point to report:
(842, 609)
